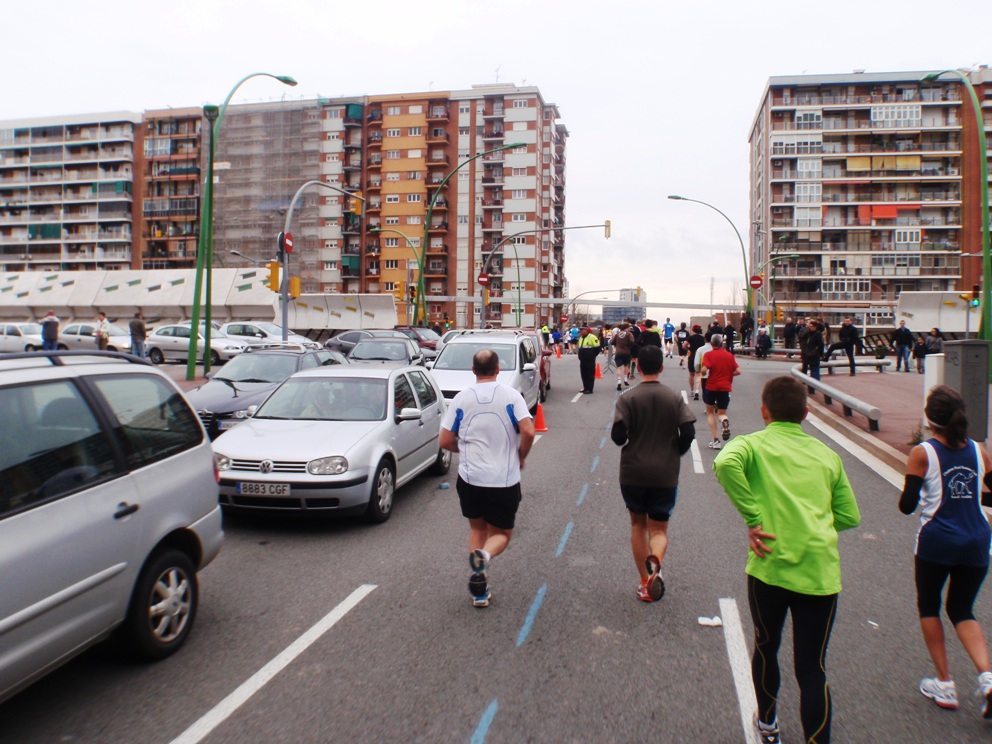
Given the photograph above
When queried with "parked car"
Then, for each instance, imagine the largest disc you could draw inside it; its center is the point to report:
(334, 440)
(20, 336)
(262, 332)
(446, 337)
(80, 336)
(346, 340)
(545, 353)
(108, 509)
(393, 350)
(224, 400)
(518, 360)
(423, 336)
(171, 343)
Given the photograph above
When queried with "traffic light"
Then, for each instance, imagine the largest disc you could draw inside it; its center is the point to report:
(606, 229)
(779, 314)
(399, 291)
(274, 268)
(447, 322)
(487, 295)
(294, 287)
(356, 204)
(976, 291)
(413, 294)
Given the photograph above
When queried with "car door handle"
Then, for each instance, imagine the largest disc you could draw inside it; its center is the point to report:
(125, 510)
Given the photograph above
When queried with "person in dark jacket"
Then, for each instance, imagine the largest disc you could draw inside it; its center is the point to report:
(789, 331)
(902, 343)
(814, 348)
(848, 339)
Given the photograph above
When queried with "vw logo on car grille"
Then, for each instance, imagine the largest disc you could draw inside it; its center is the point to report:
(265, 466)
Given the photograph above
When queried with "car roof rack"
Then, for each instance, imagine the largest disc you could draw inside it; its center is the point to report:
(63, 357)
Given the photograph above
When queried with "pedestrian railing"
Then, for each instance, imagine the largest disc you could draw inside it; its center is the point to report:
(849, 404)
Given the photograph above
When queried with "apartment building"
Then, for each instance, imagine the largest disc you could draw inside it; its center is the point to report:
(863, 186)
(168, 188)
(66, 186)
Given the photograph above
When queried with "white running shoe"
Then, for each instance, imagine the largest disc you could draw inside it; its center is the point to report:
(945, 694)
(715, 444)
(985, 690)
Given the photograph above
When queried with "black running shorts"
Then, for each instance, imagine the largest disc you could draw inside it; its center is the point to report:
(657, 503)
(622, 360)
(496, 506)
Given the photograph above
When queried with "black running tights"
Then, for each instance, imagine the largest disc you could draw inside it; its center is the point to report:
(812, 621)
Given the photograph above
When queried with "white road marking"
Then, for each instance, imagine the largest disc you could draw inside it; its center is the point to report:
(577, 396)
(740, 665)
(697, 458)
(223, 710)
(537, 438)
(892, 476)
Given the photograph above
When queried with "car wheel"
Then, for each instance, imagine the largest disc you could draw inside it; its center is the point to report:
(111, 348)
(442, 464)
(31, 347)
(156, 356)
(542, 394)
(62, 347)
(163, 606)
(383, 488)
(214, 358)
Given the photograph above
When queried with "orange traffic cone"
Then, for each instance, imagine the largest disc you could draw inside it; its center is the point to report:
(539, 424)
(558, 351)
(599, 372)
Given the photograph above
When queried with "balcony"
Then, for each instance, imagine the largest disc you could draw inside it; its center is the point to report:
(493, 112)
(353, 164)
(437, 249)
(438, 227)
(438, 138)
(373, 206)
(436, 268)
(438, 160)
(375, 118)
(441, 204)
(375, 161)
(437, 113)
(375, 139)
(493, 133)
(492, 204)
(373, 184)
(351, 226)
(372, 246)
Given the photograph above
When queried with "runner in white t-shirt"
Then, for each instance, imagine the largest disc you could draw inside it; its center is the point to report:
(489, 425)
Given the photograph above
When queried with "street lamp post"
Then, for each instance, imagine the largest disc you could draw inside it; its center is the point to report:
(204, 248)
(516, 259)
(985, 327)
(412, 247)
(770, 297)
(747, 276)
(283, 254)
(421, 300)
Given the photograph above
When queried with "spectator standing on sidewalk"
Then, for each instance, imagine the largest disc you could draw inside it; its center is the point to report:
(813, 350)
(489, 424)
(720, 368)
(935, 342)
(655, 428)
(944, 476)
(102, 331)
(789, 331)
(902, 342)
(138, 335)
(794, 496)
(49, 332)
(920, 354)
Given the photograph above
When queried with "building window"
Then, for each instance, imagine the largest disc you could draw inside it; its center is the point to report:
(808, 192)
(391, 263)
(333, 135)
(907, 238)
(415, 176)
(414, 219)
(464, 131)
(415, 109)
(522, 150)
(464, 108)
(463, 219)
(519, 172)
(518, 194)
(391, 242)
(392, 132)
(809, 120)
(392, 110)
(393, 220)
(413, 198)
(392, 154)
(392, 198)
(333, 113)
(520, 103)
(330, 265)
(415, 132)
(809, 168)
(415, 153)
(393, 176)
(519, 217)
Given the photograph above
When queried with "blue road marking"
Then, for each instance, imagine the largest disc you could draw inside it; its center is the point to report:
(595, 463)
(535, 606)
(582, 495)
(485, 722)
(564, 539)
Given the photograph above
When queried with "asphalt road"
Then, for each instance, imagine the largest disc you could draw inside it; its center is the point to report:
(566, 653)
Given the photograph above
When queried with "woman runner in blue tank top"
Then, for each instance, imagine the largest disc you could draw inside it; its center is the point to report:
(944, 477)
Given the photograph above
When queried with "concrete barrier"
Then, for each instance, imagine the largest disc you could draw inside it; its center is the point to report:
(849, 403)
(879, 364)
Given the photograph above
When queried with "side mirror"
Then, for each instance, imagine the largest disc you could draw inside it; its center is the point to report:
(252, 410)
(529, 367)
(409, 414)
(429, 364)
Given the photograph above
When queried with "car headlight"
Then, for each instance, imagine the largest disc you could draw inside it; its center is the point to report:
(328, 466)
(240, 414)
(223, 462)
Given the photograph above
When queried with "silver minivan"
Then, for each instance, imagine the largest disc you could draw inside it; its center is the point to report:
(108, 509)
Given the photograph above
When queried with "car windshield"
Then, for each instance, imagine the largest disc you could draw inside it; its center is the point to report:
(379, 350)
(116, 330)
(258, 368)
(327, 399)
(426, 334)
(459, 356)
(30, 329)
(270, 328)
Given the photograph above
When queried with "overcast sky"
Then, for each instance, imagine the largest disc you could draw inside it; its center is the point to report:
(658, 97)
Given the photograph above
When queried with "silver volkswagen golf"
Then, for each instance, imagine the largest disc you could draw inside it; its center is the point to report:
(335, 440)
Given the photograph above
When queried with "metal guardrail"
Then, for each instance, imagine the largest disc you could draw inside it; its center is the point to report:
(849, 403)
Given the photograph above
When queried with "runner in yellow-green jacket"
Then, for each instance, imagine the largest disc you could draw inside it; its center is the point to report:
(794, 497)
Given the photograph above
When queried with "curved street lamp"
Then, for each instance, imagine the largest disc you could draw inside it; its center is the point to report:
(421, 300)
(770, 297)
(747, 277)
(985, 327)
(412, 247)
(205, 243)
